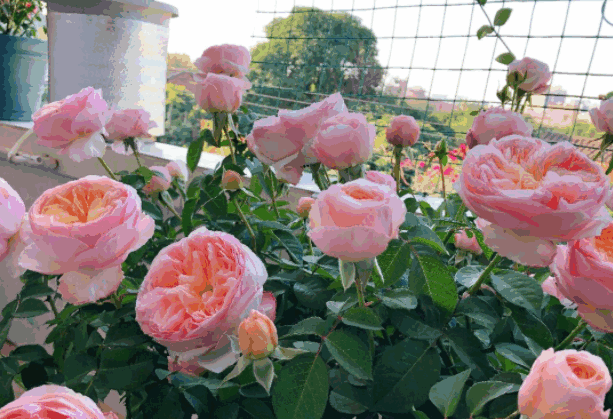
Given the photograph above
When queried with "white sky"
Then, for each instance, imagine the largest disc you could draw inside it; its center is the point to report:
(204, 23)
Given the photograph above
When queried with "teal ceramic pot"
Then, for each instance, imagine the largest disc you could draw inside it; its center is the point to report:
(23, 73)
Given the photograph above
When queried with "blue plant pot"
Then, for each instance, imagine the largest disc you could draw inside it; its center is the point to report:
(23, 73)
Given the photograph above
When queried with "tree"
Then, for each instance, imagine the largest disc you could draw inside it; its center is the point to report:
(179, 61)
(313, 51)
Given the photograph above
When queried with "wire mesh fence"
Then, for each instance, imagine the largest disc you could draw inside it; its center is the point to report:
(423, 58)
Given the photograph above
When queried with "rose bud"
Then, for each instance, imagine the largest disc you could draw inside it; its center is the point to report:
(232, 181)
(602, 117)
(403, 131)
(178, 169)
(257, 336)
(532, 75)
(496, 123)
(158, 183)
(219, 93)
(231, 60)
(462, 241)
(304, 206)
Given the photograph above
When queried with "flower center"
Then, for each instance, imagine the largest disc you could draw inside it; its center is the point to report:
(80, 204)
(360, 194)
(604, 243)
(581, 370)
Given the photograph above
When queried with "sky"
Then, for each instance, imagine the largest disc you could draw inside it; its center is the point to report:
(205, 23)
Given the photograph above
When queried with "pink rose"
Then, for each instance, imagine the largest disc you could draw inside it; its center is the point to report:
(231, 60)
(185, 367)
(268, 306)
(356, 220)
(85, 230)
(304, 206)
(583, 271)
(178, 169)
(52, 401)
(565, 384)
(159, 182)
(344, 140)
(219, 93)
(381, 179)
(283, 141)
(527, 250)
(602, 117)
(403, 131)
(74, 125)
(524, 184)
(12, 212)
(496, 123)
(125, 124)
(197, 292)
(550, 286)
(462, 241)
(533, 74)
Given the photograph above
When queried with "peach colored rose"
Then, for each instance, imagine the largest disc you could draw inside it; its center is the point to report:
(257, 336)
(524, 184)
(111, 415)
(565, 384)
(178, 169)
(304, 206)
(344, 140)
(219, 93)
(197, 292)
(231, 181)
(550, 286)
(268, 306)
(283, 141)
(381, 178)
(51, 401)
(85, 230)
(583, 270)
(602, 117)
(356, 220)
(403, 131)
(496, 123)
(462, 241)
(74, 125)
(125, 124)
(527, 250)
(159, 182)
(231, 60)
(533, 75)
(12, 212)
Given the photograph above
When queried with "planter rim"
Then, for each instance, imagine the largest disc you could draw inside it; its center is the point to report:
(28, 38)
(93, 6)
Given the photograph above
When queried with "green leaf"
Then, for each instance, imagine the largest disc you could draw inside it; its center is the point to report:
(349, 399)
(482, 393)
(34, 291)
(125, 368)
(519, 289)
(502, 16)
(186, 215)
(134, 180)
(411, 325)
(482, 2)
(531, 326)
(313, 292)
(480, 311)
(468, 275)
(153, 210)
(404, 375)
(351, 353)
(301, 391)
(446, 394)
(516, 354)
(505, 58)
(347, 270)
(30, 353)
(484, 31)
(394, 262)
(435, 281)
(199, 397)
(163, 402)
(311, 326)
(30, 308)
(256, 409)
(399, 298)
(264, 372)
(419, 233)
(77, 366)
(194, 152)
(146, 173)
(125, 334)
(362, 317)
(468, 348)
(291, 244)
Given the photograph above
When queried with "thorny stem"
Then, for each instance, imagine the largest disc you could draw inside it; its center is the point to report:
(477, 285)
(107, 168)
(231, 147)
(53, 307)
(494, 28)
(397, 158)
(512, 415)
(569, 339)
(244, 219)
(273, 195)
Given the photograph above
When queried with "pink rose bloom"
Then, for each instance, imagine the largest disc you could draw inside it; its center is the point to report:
(268, 306)
(422, 164)
(74, 125)
(565, 384)
(527, 250)
(231, 60)
(85, 230)
(344, 141)
(403, 131)
(283, 141)
(51, 401)
(550, 286)
(185, 367)
(159, 182)
(219, 93)
(602, 117)
(496, 123)
(583, 270)
(535, 74)
(178, 169)
(462, 241)
(356, 220)
(197, 292)
(125, 124)
(381, 178)
(524, 184)
(12, 212)
(304, 206)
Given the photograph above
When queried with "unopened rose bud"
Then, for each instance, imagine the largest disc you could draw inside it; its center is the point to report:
(231, 181)
(304, 206)
(257, 336)
(160, 181)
